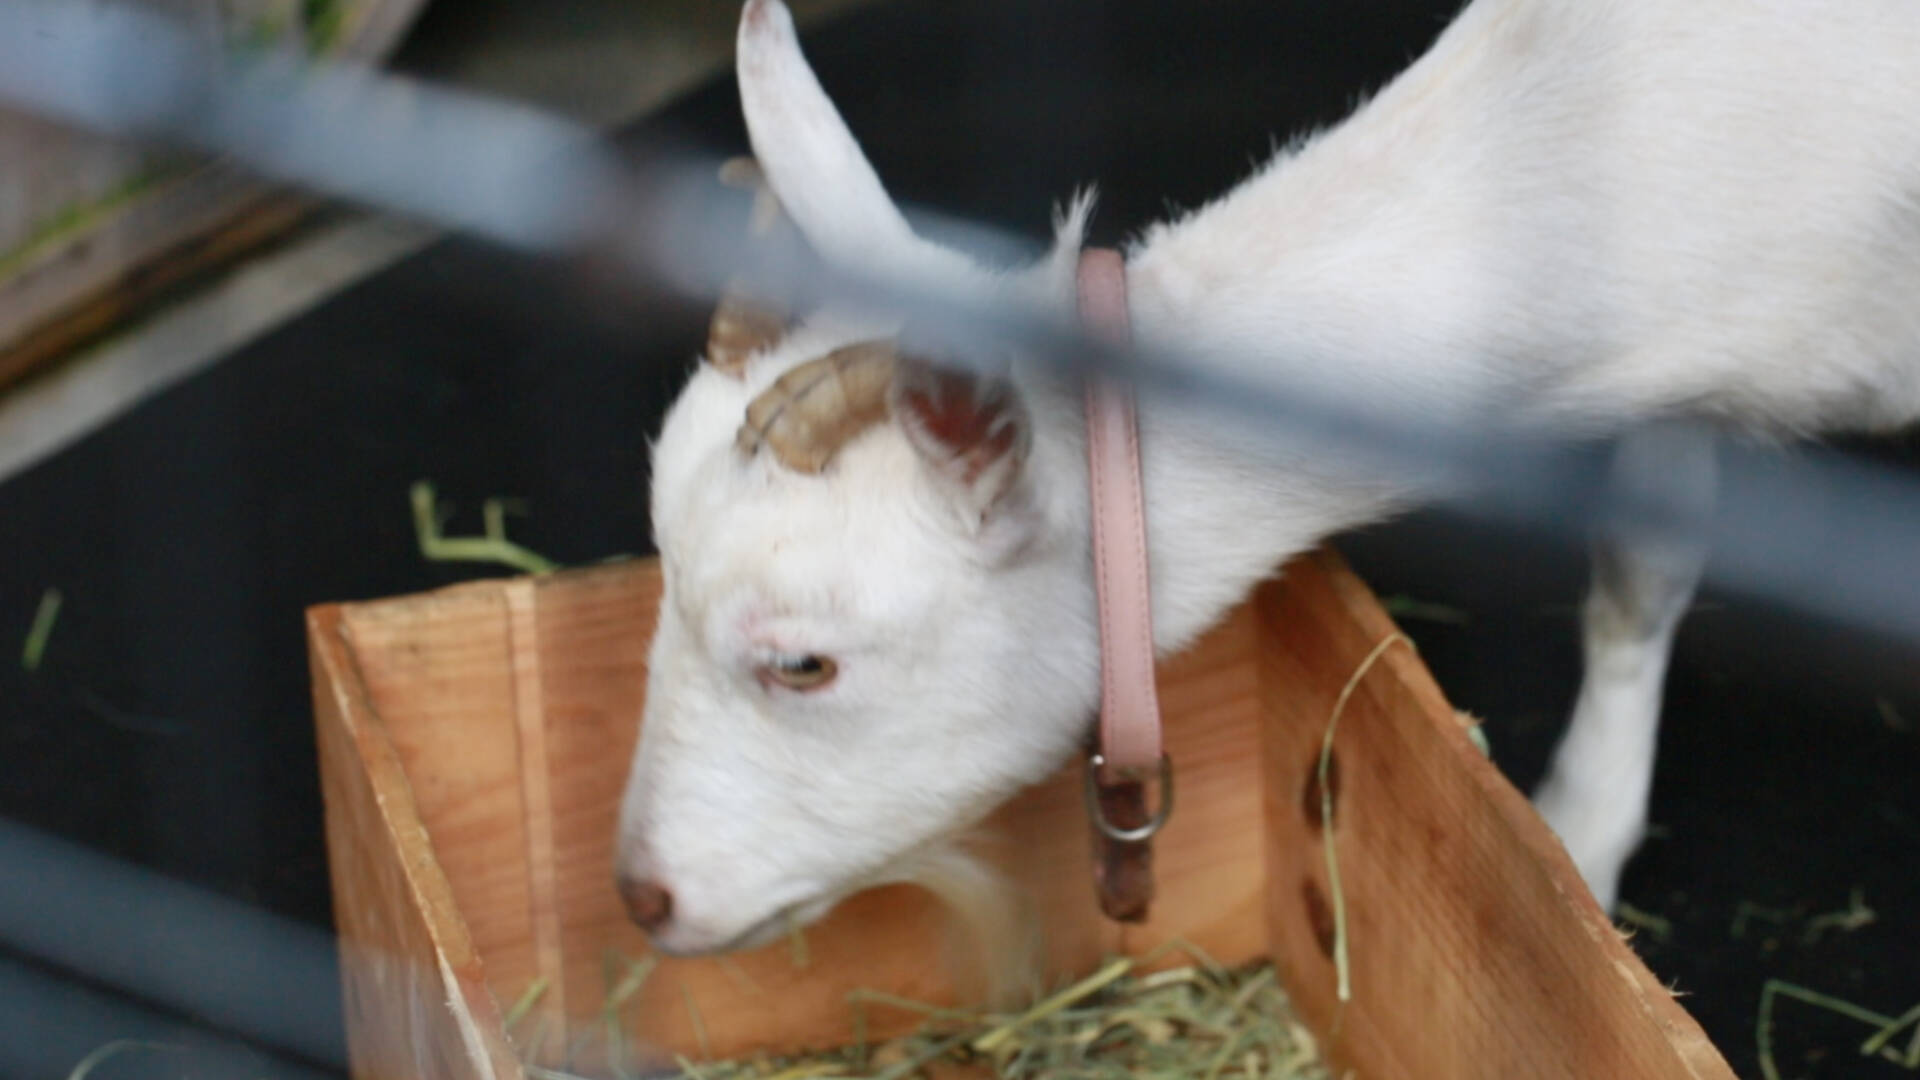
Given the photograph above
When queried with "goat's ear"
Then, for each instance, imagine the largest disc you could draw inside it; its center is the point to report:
(810, 159)
(971, 430)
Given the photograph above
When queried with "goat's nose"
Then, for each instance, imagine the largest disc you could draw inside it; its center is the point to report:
(649, 905)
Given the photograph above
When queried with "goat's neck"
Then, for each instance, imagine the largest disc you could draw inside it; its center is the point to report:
(1323, 281)
(1226, 506)
(1385, 262)
(1225, 513)
(1533, 226)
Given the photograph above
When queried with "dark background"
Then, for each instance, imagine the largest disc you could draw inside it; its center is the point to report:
(170, 725)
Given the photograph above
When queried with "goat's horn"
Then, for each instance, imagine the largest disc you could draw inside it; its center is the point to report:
(740, 326)
(813, 410)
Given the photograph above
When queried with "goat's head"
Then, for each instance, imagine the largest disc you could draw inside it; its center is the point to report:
(877, 616)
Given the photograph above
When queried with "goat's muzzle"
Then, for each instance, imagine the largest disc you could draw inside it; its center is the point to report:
(649, 905)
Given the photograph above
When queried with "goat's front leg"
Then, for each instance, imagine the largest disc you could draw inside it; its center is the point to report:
(1648, 553)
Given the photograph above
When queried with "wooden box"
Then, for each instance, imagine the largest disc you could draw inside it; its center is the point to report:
(474, 741)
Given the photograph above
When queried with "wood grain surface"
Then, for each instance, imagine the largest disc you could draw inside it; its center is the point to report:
(503, 714)
(1475, 949)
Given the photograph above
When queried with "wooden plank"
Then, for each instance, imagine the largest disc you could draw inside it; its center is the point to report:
(1476, 950)
(536, 802)
(182, 231)
(438, 673)
(417, 1006)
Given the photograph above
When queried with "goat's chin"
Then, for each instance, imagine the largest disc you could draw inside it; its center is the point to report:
(768, 930)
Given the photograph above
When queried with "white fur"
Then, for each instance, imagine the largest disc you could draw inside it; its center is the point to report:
(1574, 213)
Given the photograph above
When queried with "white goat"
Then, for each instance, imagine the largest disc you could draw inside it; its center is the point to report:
(1583, 214)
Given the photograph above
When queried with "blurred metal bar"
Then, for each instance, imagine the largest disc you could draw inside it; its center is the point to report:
(511, 174)
(49, 1025)
(245, 971)
(1814, 532)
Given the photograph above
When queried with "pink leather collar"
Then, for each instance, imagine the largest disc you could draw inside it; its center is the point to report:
(1129, 752)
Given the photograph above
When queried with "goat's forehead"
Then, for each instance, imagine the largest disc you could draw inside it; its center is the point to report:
(847, 540)
(759, 568)
(757, 520)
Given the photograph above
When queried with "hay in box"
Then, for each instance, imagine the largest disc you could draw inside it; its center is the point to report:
(474, 742)
(1197, 1022)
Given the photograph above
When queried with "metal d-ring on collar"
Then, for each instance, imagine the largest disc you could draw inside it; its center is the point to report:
(1139, 833)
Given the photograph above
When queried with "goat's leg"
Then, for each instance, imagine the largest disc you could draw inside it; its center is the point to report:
(1648, 553)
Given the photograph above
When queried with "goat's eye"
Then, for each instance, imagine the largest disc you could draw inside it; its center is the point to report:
(808, 672)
